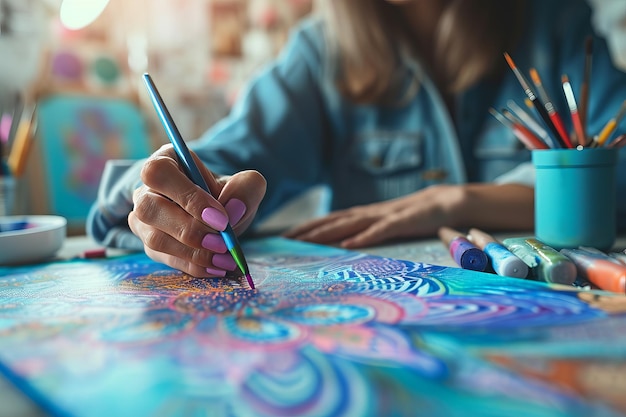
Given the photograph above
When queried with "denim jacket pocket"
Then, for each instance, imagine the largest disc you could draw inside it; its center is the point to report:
(386, 152)
(497, 152)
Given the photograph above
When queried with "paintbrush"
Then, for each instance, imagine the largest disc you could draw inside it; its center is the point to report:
(610, 126)
(585, 86)
(536, 102)
(573, 109)
(549, 105)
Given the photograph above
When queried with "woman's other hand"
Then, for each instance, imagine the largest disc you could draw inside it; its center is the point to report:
(421, 214)
(179, 222)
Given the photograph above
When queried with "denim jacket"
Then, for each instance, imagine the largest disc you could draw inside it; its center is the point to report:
(292, 125)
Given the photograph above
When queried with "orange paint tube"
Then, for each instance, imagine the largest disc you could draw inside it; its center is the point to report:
(599, 269)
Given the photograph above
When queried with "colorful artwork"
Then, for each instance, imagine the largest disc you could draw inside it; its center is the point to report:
(328, 332)
(78, 135)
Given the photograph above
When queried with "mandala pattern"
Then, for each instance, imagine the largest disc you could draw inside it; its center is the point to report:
(327, 333)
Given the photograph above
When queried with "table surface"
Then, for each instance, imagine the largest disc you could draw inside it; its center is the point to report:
(16, 404)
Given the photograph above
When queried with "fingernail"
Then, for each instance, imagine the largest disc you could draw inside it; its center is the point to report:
(214, 218)
(216, 272)
(224, 261)
(235, 209)
(214, 243)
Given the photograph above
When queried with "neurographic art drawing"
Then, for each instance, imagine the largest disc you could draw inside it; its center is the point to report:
(327, 333)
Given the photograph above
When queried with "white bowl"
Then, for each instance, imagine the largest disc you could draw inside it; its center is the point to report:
(40, 240)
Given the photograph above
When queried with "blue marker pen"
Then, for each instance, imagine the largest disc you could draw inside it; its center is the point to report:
(503, 261)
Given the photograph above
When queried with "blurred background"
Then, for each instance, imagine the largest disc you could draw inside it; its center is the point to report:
(71, 94)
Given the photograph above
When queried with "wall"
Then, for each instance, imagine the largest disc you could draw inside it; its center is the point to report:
(199, 52)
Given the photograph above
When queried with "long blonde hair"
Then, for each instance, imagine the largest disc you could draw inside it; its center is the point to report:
(368, 36)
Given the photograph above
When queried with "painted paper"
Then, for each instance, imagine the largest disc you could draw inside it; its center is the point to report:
(328, 332)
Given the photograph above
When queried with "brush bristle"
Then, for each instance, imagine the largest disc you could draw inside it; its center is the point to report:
(509, 60)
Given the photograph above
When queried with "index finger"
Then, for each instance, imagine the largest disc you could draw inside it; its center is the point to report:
(163, 174)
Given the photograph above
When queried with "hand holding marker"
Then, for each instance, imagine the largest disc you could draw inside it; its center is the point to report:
(191, 170)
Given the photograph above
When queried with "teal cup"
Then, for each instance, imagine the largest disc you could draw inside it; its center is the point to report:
(575, 195)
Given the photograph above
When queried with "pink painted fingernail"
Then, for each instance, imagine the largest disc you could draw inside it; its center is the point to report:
(224, 261)
(214, 243)
(216, 272)
(214, 218)
(235, 209)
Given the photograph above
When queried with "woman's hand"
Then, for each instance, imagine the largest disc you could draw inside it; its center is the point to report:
(421, 214)
(179, 223)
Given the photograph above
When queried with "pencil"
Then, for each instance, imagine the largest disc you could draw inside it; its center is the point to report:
(192, 171)
(583, 107)
(549, 105)
(610, 126)
(573, 109)
(539, 107)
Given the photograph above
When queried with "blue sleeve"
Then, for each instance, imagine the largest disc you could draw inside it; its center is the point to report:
(107, 222)
(277, 126)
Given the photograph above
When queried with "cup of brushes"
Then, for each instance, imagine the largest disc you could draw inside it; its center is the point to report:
(575, 185)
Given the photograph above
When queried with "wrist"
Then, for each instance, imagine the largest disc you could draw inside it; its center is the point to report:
(452, 201)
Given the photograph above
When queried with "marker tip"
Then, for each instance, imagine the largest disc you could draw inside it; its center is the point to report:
(250, 282)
